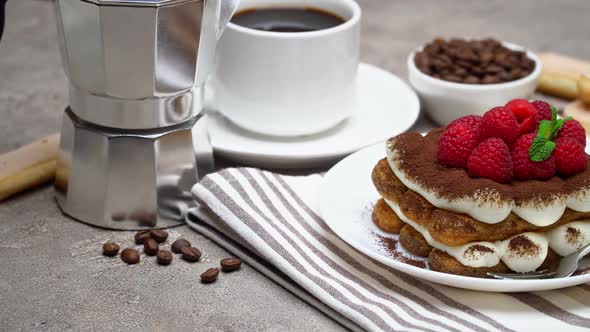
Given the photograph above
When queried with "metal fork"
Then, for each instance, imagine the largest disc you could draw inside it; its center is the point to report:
(567, 266)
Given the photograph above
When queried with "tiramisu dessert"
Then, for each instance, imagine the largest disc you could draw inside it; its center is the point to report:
(509, 191)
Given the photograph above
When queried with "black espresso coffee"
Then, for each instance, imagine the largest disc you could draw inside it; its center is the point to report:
(287, 19)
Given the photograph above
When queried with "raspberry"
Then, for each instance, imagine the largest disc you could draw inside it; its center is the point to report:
(501, 123)
(491, 159)
(573, 129)
(543, 110)
(526, 114)
(570, 158)
(473, 121)
(456, 144)
(522, 109)
(524, 167)
(529, 125)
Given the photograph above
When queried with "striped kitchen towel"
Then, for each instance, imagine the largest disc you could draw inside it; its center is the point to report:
(275, 219)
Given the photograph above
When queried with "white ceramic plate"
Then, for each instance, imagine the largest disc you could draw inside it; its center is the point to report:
(387, 106)
(346, 200)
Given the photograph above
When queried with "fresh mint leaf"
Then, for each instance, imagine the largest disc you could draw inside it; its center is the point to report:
(553, 113)
(545, 129)
(541, 149)
(543, 144)
(558, 125)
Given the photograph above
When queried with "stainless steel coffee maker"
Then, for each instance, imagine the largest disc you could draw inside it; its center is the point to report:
(134, 138)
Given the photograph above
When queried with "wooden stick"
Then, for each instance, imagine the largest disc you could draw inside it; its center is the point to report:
(28, 166)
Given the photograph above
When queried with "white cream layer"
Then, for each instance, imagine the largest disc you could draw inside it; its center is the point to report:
(485, 205)
(558, 239)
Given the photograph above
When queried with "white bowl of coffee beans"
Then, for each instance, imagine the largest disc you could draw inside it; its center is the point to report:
(459, 77)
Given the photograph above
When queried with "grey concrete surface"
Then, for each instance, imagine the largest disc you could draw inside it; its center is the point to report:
(52, 276)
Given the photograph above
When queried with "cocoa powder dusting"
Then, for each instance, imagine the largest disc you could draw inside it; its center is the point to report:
(420, 164)
(477, 250)
(523, 246)
(572, 235)
(392, 247)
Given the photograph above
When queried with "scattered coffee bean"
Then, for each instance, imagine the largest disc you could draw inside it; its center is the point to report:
(159, 235)
(141, 236)
(164, 257)
(179, 244)
(151, 247)
(130, 256)
(191, 254)
(210, 275)
(110, 249)
(230, 264)
(473, 61)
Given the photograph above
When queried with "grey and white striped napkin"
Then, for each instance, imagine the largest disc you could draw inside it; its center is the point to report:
(272, 221)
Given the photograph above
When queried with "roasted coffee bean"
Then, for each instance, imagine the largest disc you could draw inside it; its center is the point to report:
(473, 61)
(439, 41)
(501, 58)
(519, 54)
(230, 264)
(150, 247)
(452, 78)
(465, 54)
(422, 61)
(191, 254)
(490, 79)
(506, 76)
(446, 59)
(159, 235)
(210, 276)
(486, 57)
(433, 49)
(141, 236)
(478, 71)
(426, 70)
(130, 256)
(521, 74)
(110, 249)
(471, 80)
(491, 42)
(464, 64)
(528, 64)
(164, 257)
(493, 69)
(179, 244)
(461, 72)
(444, 72)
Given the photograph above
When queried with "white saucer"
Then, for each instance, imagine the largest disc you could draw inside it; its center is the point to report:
(387, 106)
(346, 201)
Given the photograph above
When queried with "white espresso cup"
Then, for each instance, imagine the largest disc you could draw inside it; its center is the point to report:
(288, 84)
